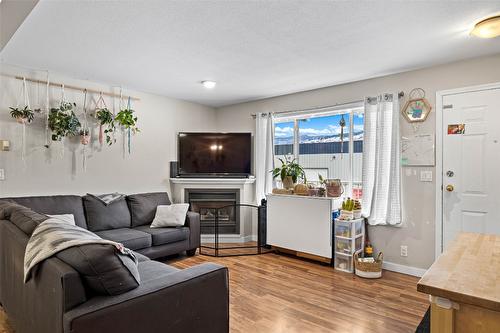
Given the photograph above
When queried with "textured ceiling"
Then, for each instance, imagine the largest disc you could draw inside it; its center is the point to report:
(253, 49)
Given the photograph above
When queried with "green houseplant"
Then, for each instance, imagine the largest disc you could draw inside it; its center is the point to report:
(106, 119)
(63, 121)
(22, 116)
(127, 120)
(289, 172)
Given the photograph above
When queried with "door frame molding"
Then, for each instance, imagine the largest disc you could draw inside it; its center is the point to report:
(439, 155)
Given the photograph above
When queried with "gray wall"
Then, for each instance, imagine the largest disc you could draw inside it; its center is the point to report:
(419, 198)
(56, 171)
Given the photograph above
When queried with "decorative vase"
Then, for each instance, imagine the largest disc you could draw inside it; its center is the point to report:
(334, 188)
(22, 120)
(85, 139)
(288, 182)
(356, 213)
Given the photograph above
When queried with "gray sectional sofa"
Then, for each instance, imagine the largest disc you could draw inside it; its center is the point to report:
(168, 299)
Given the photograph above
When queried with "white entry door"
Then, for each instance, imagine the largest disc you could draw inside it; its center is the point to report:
(471, 163)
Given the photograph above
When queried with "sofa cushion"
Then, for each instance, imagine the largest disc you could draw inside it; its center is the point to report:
(55, 205)
(7, 207)
(152, 270)
(130, 238)
(143, 206)
(104, 270)
(26, 219)
(105, 217)
(165, 235)
(173, 215)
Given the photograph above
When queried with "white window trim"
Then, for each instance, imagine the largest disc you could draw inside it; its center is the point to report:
(296, 116)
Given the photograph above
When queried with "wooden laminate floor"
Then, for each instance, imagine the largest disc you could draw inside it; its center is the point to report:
(274, 293)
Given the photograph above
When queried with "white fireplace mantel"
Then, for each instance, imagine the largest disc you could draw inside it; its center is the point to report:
(213, 181)
(248, 227)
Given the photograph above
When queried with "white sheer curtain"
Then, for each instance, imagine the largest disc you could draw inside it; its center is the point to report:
(264, 156)
(381, 161)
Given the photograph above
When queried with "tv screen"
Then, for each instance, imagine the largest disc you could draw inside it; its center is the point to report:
(214, 154)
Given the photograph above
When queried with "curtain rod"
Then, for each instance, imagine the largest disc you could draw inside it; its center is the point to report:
(319, 108)
(55, 84)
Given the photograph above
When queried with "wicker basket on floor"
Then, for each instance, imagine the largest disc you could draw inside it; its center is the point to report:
(369, 270)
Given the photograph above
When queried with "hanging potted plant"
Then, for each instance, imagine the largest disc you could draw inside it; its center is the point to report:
(22, 116)
(84, 137)
(63, 121)
(289, 172)
(127, 120)
(106, 120)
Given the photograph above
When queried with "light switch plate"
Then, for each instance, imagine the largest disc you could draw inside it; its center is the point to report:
(4, 145)
(426, 176)
(2, 174)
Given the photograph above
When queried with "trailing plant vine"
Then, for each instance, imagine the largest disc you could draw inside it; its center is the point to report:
(106, 119)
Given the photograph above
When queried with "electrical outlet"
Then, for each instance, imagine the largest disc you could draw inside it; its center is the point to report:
(2, 174)
(404, 251)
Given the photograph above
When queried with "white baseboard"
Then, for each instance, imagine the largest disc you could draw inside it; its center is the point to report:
(227, 238)
(409, 270)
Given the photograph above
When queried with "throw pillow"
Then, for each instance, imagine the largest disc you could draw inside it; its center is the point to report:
(103, 268)
(66, 218)
(173, 215)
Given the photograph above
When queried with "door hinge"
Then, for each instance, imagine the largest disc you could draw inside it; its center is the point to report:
(448, 106)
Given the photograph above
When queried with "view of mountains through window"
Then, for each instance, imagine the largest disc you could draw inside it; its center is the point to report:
(319, 130)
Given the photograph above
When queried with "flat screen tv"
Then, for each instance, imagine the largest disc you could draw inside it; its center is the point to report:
(214, 154)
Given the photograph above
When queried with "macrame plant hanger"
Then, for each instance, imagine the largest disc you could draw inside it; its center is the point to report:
(47, 111)
(25, 95)
(63, 100)
(85, 131)
(342, 125)
(101, 104)
(129, 129)
(124, 143)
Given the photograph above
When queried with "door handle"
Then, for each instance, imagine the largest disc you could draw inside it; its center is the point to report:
(450, 188)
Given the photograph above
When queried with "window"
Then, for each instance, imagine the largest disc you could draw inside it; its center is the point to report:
(323, 147)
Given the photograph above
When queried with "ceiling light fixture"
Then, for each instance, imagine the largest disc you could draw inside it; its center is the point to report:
(209, 84)
(488, 28)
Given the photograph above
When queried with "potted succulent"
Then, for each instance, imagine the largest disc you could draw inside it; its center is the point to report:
(22, 116)
(106, 119)
(351, 209)
(84, 136)
(289, 172)
(63, 121)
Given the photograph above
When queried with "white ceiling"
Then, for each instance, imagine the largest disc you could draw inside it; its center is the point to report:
(253, 49)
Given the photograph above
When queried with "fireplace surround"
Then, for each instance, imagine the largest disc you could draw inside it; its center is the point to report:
(207, 201)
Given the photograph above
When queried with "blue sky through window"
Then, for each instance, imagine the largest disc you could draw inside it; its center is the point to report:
(320, 129)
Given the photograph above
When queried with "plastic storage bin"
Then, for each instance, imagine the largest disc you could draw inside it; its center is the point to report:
(349, 238)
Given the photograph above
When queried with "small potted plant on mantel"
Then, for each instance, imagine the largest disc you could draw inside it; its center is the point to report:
(289, 172)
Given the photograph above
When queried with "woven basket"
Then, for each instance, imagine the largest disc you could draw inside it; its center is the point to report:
(370, 270)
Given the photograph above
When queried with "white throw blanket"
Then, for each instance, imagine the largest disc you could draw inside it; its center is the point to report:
(53, 236)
